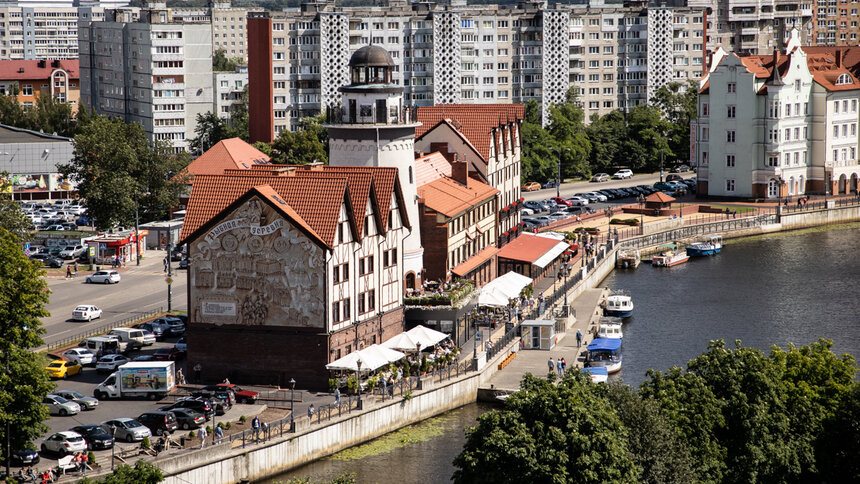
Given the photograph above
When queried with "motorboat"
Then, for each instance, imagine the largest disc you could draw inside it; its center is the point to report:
(610, 329)
(629, 259)
(706, 245)
(619, 305)
(604, 353)
(669, 259)
(598, 374)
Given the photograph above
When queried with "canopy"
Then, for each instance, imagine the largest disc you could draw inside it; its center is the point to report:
(402, 342)
(552, 254)
(426, 336)
(605, 344)
(371, 358)
(501, 289)
(595, 370)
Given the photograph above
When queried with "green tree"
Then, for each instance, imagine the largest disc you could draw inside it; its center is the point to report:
(24, 295)
(220, 62)
(142, 473)
(838, 444)
(678, 103)
(12, 218)
(264, 147)
(571, 139)
(308, 144)
(647, 139)
(52, 116)
(239, 116)
(12, 112)
(548, 432)
(210, 130)
(607, 134)
(117, 169)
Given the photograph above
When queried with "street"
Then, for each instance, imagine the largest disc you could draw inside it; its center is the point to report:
(572, 188)
(142, 289)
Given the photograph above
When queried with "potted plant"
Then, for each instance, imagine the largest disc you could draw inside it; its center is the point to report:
(352, 385)
(424, 365)
(332, 384)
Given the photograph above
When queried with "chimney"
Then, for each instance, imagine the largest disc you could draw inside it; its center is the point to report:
(442, 148)
(838, 57)
(775, 58)
(460, 172)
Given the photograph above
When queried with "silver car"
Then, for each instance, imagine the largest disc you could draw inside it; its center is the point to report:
(58, 405)
(127, 429)
(87, 403)
(81, 356)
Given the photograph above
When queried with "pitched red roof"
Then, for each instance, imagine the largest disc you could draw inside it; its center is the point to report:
(449, 197)
(227, 154)
(474, 121)
(659, 197)
(476, 260)
(431, 167)
(527, 248)
(30, 69)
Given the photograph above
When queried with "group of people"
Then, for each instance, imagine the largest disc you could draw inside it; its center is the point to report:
(559, 365)
(70, 272)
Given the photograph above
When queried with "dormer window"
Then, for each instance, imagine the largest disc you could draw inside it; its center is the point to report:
(844, 79)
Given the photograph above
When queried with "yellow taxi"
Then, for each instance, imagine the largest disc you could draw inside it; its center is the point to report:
(531, 187)
(63, 368)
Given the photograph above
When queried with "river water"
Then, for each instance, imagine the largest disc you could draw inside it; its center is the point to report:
(769, 290)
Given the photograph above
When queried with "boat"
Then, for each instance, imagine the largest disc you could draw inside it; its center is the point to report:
(597, 374)
(669, 258)
(619, 305)
(610, 328)
(706, 245)
(604, 353)
(629, 259)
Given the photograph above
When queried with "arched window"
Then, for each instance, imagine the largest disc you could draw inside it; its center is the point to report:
(844, 79)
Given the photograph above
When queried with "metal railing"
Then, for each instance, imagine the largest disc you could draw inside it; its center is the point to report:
(725, 225)
(327, 412)
(267, 430)
(102, 329)
(454, 369)
(820, 205)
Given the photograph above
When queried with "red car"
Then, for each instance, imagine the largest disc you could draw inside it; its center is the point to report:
(242, 396)
(561, 201)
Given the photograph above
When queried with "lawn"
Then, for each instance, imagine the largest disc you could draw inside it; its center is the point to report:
(736, 208)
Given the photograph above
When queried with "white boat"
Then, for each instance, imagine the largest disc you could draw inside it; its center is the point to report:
(597, 374)
(669, 259)
(619, 305)
(629, 259)
(604, 353)
(707, 245)
(610, 330)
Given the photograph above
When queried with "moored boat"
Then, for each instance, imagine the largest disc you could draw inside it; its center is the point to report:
(669, 259)
(706, 245)
(610, 329)
(604, 353)
(628, 259)
(619, 305)
(597, 374)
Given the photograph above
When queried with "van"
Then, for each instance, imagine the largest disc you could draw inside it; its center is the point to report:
(132, 337)
(103, 345)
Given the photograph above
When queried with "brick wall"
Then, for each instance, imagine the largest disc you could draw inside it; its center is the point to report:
(434, 238)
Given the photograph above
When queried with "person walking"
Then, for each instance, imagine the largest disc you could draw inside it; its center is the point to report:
(255, 424)
(76, 269)
(68, 272)
(550, 364)
(563, 364)
(164, 262)
(219, 434)
(578, 338)
(558, 366)
(311, 411)
(337, 393)
(202, 436)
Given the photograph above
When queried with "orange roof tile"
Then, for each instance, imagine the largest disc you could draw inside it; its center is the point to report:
(25, 70)
(474, 121)
(227, 154)
(659, 197)
(360, 184)
(450, 197)
(527, 248)
(431, 167)
(269, 193)
(476, 260)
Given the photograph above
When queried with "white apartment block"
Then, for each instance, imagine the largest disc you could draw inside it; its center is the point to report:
(228, 25)
(782, 125)
(229, 87)
(153, 70)
(43, 30)
(451, 52)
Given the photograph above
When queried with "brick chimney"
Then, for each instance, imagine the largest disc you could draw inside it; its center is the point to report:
(460, 171)
(838, 57)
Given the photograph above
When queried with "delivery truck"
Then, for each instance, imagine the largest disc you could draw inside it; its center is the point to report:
(138, 379)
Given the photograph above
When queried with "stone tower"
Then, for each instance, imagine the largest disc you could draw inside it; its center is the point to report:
(373, 128)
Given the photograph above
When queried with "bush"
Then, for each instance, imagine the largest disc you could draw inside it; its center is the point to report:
(209, 429)
(423, 363)
(220, 425)
(352, 384)
(227, 426)
(332, 384)
(145, 443)
(192, 434)
(91, 458)
(625, 221)
(243, 419)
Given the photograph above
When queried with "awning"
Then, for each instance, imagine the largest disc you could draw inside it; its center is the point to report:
(372, 357)
(605, 344)
(533, 249)
(401, 342)
(475, 261)
(551, 255)
(501, 289)
(426, 336)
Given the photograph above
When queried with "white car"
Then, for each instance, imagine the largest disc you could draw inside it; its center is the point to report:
(598, 196)
(64, 443)
(111, 363)
(86, 403)
(86, 312)
(622, 174)
(526, 211)
(58, 405)
(104, 277)
(578, 201)
(72, 251)
(148, 337)
(81, 356)
(127, 429)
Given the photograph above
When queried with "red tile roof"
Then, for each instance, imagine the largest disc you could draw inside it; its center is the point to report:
(29, 69)
(476, 260)
(450, 197)
(474, 121)
(431, 167)
(527, 248)
(659, 197)
(269, 193)
(826, 64)
(227, 154)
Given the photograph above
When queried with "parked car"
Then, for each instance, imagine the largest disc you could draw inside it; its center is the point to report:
(181, 345)
(72, 251)
(561, 201)
(110, 363)
(86, 403)
(54, 228)
(558, 216)
(127, 429)
(242, 396)
(63, 443)
(578, 201)
(81, 356)
(662, 186)
(550, 184)
(63, 369)
(600, 177)
(86, 312)
(172, 325)
(622, 174)
(104, 277)
(96, 437)
(526, 211)
(183, 264)
(543, 219)
(534, 205)
(681, 168)
(201, 406)
(680, 188)
(70, 226)
(82, 221)
(531, 187)
(53, 262)
(58, 405)
(148, 337)
(224, 394)
(674, 177)
(156, 329)
(159, 423)
(188, 419)
(24, 458)
(168, 354)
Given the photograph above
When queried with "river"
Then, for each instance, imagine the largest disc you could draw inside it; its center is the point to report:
(769, 290)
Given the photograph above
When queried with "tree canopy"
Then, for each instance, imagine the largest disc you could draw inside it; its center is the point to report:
(12, 218)
(308, 144)
(221, 63)
(48, 115)
(141, 473)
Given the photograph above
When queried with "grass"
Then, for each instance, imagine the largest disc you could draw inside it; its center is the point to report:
(736, 208)
(412, 434)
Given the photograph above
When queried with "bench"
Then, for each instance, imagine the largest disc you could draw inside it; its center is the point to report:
(67, 464)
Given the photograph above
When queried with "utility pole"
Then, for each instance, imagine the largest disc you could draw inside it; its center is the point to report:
(169, 277)
(661, 165)
(137, 228)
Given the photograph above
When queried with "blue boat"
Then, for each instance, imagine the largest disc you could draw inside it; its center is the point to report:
(708, 245)
(597, 374)
(604, 353)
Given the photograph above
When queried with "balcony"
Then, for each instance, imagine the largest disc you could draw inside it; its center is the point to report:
(441, 294)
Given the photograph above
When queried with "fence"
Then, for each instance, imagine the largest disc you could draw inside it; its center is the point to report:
(103, 329)
(820, 205)
(725, 225)
(265, 432)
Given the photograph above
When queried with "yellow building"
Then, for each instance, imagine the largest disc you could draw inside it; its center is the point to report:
(31, 78)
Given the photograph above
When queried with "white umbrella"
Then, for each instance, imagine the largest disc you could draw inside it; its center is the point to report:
(492, 297)
(426, 336)
(402, 342)
(372, 357)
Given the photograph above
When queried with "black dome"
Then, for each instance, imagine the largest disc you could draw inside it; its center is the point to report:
(371, 56)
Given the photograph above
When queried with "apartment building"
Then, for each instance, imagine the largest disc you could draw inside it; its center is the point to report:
(835, 22)
(451, 52)
(229, 90)
(153, 69)
(780, 125)
(228, 25)
(32, 78)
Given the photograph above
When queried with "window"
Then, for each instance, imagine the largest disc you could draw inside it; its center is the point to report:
(730, 160)
(730, 136)
(340, 273)
(730, 185)
(730, 111)
(788, 109)
(797, 85)
(340, 310)
(389, 258)
(836, 107)
(731, 87)
(365, 265)
(705, 109)
(26, 89)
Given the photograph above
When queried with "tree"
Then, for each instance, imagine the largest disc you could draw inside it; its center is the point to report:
(308, 144)
(646, 141)
(566, 126)
(607, 134)
(220, 62)
(142, 473)
(678, 103)
(548, 433)
(838, 444)
(12, 218)
(210, 130)
(239, 116)
(52, 116)
(23, 298)
(117, 170)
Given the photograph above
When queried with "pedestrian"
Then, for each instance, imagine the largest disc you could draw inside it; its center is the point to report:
(786, 202)
(68, 272)
(799, 203)
(180, 377)
(563, 364)
(76, 269)
(255, 424)
(550, 364)
(165, 264)
(202, 436)
(558, 366)
(311, 411)
(337, 393)
(578, 338)
(197, 370)
(84, 461)
(219, 434)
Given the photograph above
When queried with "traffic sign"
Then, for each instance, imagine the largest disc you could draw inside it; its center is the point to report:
(27, 251)
(92, 251)
(478, 336)
(168, 280)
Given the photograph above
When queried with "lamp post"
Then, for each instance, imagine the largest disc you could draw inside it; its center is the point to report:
(661, 165)
(137, 231)
(112, 447)
(358, 382)
(292, 419)
(475, 339)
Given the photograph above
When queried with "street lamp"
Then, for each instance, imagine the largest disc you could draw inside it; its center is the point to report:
(475, 338)
(292, 420)
(358, 382)
(137, 229)
(112, 447)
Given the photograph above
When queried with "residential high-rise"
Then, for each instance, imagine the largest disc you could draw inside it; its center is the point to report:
(153, 70)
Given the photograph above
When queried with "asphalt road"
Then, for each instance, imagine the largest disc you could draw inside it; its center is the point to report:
(142, 289)
(573, 188)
